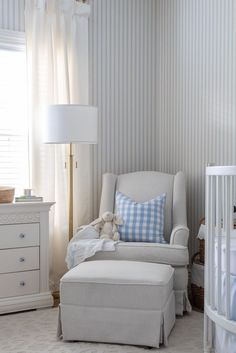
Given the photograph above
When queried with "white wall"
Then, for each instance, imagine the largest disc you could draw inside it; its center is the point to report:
(12, 15)
(163, 74)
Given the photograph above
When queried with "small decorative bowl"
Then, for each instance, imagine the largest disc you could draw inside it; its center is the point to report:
(6, 194)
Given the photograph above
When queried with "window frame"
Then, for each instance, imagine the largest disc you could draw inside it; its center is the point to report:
(15, 41)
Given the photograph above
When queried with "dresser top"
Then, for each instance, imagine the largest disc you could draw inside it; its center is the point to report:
(25, 207)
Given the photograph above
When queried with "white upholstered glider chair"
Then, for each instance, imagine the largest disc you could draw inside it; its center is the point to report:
(143, 186)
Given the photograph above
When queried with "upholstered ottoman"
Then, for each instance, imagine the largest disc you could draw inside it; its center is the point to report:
(118, 302)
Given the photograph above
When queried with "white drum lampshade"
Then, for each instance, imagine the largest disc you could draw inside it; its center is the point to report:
(71, 123)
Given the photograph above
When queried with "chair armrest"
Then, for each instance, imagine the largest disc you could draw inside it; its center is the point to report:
(179, 235)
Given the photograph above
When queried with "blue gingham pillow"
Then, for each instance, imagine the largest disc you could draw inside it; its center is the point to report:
(142, 222)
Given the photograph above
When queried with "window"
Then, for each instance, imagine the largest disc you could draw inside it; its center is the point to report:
(14, 125)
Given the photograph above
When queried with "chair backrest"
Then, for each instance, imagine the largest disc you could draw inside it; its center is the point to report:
(143, 186)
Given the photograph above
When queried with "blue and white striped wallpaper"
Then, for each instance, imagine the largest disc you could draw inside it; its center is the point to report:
(163, 74)
(12, 15)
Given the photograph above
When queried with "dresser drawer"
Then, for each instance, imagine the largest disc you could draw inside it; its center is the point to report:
(21, 259)
(20, 283)
(19, 235)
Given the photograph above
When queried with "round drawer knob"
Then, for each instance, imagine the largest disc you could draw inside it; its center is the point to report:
(21, 259)
(21, 235)
(22, 283)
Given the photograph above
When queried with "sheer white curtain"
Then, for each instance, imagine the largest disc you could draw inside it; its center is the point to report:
(57, 54)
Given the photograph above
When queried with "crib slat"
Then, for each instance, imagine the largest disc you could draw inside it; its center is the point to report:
(208, 241)
(219, 243)
(227, 224)
(223, 225)
(231, 204)
(207, 245)
(212, 237)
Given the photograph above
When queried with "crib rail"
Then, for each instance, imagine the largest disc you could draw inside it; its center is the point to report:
(220, 201)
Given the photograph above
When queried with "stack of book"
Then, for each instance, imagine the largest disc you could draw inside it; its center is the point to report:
(29, 198)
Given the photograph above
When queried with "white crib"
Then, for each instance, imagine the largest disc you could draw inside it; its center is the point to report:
(220, 264)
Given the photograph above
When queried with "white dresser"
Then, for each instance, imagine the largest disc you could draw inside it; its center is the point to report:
(24, 270)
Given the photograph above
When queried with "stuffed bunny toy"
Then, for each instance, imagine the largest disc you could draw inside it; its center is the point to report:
(106, 226)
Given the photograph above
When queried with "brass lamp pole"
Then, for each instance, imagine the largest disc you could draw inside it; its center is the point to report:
(70, 193)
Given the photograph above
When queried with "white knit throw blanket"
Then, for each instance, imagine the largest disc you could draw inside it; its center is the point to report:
(84, 244)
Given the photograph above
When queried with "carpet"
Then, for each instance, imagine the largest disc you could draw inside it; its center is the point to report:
(35, 332)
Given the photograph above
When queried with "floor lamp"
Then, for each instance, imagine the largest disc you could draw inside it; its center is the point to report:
(69, 124)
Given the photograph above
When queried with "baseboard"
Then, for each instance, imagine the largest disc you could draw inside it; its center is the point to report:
(26, 302)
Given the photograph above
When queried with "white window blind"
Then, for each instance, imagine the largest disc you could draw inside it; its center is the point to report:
(14, 126)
